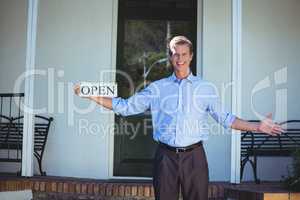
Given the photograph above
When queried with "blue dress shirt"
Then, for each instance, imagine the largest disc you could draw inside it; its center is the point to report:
(179, 109)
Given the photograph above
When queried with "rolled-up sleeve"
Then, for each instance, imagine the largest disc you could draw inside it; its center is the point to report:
(219, 113)
(138, 103)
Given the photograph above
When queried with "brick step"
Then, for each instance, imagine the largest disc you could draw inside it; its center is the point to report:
(72, 188)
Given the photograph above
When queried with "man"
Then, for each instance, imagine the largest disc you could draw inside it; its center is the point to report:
(180, 105)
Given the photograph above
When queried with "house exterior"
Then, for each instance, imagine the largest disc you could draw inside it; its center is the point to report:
(248, 48)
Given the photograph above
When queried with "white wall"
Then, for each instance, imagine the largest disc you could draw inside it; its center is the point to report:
(217, 69)
(74, 43)
(271, 40)
(13, 18)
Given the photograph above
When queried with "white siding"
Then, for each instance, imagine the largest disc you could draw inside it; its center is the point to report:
(217, 68)
(13, 21)
(74, 43)
(271, 40)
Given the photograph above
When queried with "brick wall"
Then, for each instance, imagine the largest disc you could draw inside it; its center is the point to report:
(45, 188)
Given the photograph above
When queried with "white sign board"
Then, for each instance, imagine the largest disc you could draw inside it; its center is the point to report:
(88, 89)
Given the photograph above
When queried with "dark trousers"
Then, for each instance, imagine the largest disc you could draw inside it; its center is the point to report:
(184, 171)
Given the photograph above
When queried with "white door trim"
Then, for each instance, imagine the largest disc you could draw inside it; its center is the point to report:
(28, 129)
(236, 87)
(199, 55)
(113, 68)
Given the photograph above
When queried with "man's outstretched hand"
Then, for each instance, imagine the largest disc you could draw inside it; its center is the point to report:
(269, 127)
(265, 126)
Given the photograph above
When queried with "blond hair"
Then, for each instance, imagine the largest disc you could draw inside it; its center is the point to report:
(179, 40)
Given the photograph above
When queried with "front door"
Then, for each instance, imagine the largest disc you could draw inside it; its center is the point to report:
(144, 29)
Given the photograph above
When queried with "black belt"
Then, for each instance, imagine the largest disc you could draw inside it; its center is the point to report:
(181, 149)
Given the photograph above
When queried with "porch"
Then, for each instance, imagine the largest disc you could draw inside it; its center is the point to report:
(51, 187)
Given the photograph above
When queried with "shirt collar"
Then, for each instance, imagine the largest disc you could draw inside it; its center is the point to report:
(191, 78)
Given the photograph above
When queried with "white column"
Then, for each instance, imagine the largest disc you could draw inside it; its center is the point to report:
(199, 64)
(112, 79)
(28, 130)
(237, 87)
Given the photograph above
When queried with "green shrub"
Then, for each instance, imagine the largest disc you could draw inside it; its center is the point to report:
(292, 182)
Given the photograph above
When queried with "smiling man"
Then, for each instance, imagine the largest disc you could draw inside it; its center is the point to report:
(180, 106)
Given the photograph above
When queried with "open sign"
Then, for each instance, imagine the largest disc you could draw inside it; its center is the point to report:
(88, 89)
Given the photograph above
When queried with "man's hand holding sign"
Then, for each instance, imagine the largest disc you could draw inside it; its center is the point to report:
(101, 93)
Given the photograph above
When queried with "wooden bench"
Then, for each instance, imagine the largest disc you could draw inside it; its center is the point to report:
(254, 144)
(11, 133)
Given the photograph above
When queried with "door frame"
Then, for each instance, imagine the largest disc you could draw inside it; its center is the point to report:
(199, 71)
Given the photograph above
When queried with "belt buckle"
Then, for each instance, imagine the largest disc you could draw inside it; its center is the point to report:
(180, 148)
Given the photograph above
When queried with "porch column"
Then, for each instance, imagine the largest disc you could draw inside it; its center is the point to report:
(236, 87)
(28, 129)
